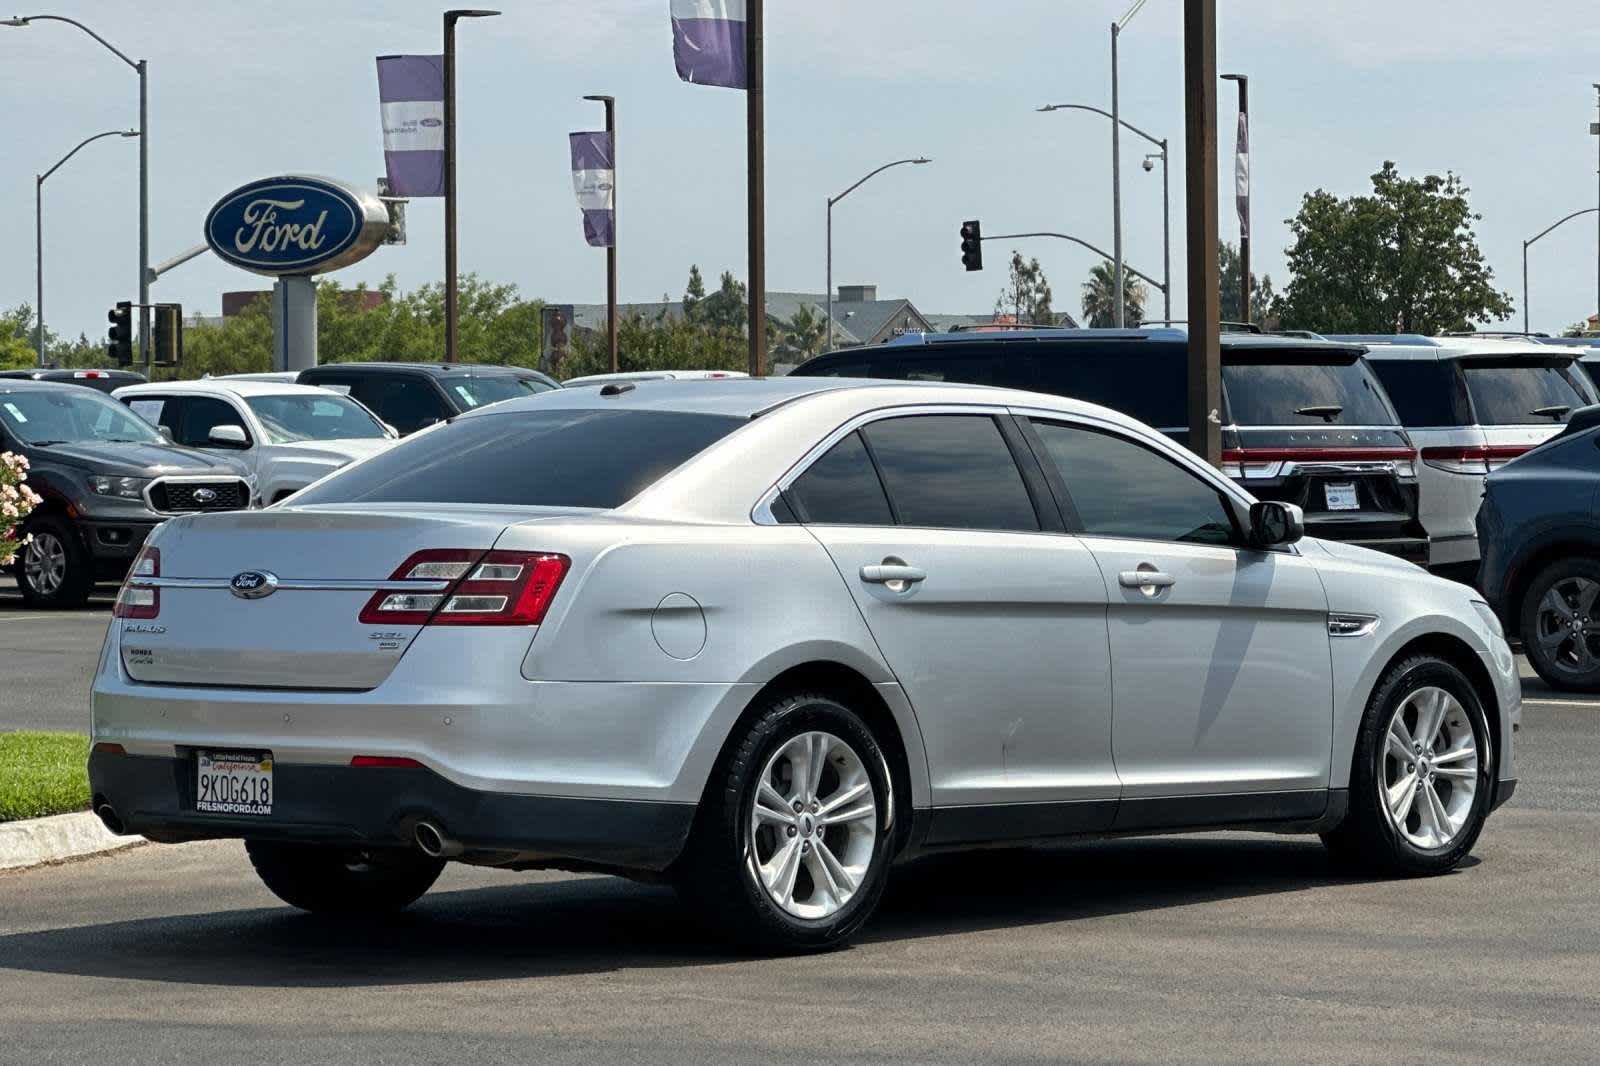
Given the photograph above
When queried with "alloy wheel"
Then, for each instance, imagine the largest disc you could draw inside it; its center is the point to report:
(1568, 625)
(44, 563)
(813, 825)
(1429, 777)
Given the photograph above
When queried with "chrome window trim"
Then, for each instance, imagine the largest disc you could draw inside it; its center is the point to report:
(290, 585)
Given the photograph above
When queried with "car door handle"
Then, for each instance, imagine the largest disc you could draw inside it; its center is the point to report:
(1145, 579)
(888, 573)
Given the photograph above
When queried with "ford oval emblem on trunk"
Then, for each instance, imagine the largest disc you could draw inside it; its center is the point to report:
(253, 584)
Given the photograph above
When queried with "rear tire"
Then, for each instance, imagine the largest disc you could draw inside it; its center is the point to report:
(1423, 775)
(54, 569)
(1560, 624)
(781, 880)
(336, 880)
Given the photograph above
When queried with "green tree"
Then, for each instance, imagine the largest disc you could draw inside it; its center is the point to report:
(1100, 297)
(16, 338)
(727, 308)
(1027, 293)
(694, 292)
(1232, 298)
(803, 334)
(1404, 259)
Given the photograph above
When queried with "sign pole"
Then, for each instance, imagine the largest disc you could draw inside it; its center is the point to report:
(1200, 142)
(756, 146)
(450, 291)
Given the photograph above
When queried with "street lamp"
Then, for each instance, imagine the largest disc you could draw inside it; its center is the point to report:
(38, 230)
(450, 279)
(828, 343)
(141, 67)
(1241, 190)
(1116, 156)
(1530, 241)
(1166, 203)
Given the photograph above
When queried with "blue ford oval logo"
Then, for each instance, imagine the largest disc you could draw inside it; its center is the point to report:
(291, 225)
(430, 122)
(253, 584)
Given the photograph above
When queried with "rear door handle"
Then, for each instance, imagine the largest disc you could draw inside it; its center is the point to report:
(891, 574)
(1146, 580)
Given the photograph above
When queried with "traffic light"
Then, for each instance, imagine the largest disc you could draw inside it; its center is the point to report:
(167, 335)
(972, 245)
(119, 340)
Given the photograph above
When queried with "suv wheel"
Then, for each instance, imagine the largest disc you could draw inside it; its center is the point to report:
(1561, 624)
(791, 848)
(336, 880)
(54, 570)
(1423, 774)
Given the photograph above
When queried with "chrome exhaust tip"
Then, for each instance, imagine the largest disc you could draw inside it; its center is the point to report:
(108, 818)
(433, 843)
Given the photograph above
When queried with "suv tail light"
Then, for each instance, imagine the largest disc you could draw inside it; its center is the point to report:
(139, 601)
(497, 588)
(1472, 459)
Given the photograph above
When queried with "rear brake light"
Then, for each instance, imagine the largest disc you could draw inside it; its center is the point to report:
(1472, 459)
(390, 762)
(140, 601)
(105, 747)
(497, 588)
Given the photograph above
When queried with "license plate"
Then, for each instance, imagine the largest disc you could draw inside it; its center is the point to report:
(233, 782)
(1341, 497)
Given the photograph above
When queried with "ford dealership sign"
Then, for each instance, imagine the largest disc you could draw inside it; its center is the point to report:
(296, 224)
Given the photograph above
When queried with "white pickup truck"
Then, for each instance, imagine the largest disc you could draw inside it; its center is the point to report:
(289, 435)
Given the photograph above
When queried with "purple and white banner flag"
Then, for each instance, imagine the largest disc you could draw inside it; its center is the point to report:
(1241, 175)
(411, 96)
(708, 42)
(594, 178)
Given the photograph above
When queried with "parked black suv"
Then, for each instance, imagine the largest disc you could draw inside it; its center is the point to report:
(1304, 420)
(107, 478)
(1539, 529)
(103, 380)
(411, 396)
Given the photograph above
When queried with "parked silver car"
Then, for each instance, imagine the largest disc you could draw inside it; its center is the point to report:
(766, 637)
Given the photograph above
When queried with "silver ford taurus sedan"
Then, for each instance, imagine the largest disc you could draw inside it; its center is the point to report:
(765, 638)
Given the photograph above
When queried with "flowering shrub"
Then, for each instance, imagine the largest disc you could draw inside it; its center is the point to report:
(16, 500)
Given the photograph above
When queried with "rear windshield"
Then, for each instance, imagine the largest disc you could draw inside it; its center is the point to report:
(1305, 394)
(551, 458)
(1524, 393)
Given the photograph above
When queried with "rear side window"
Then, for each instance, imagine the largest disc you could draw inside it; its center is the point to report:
(406, 403)
(556, 458)
(995, 364)
(1523, 393)
(842, 488)
(1262, 393)
(1426, 393)
(1123, 489)
(951, 472)
(1147, 381)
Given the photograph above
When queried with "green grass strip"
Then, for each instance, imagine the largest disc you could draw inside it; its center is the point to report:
(42, 773)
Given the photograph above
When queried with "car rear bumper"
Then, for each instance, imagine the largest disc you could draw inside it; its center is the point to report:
(381, 806)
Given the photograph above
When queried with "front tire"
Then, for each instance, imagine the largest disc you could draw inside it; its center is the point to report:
(1423, 775)
(1560, 621)
(791, 847)
(338, 880)
(54, 569)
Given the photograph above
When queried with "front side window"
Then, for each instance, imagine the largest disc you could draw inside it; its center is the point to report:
(202, 414)
(951, 472)
(1123, 489)
(842, 488)
(290, 417)
(479, 391)
(1524, 392)
(406, 403)
(72, 415)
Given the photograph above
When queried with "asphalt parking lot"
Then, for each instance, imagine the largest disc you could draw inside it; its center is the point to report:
(1216, 948)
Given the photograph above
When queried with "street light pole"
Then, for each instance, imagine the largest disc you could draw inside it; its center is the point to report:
(451, 281)
(1116, 179)
(828, 343)
(1594, 128)
(140, 67)
(610, 103)
(1530, 242)
(38, 232)
(1242, 191)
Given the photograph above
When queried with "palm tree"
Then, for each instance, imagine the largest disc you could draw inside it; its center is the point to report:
(804, 331)
(1100, 297)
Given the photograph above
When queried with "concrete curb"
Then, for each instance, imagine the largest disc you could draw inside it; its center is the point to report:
(39, 841)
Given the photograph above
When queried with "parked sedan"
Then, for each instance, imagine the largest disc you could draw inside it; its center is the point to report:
(1540, 530)
(287, 435)
(764, 638)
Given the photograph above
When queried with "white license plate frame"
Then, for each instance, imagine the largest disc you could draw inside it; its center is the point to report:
(1341, 496)
(230, 781)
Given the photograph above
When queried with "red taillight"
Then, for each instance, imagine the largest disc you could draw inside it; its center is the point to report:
(140, 601)
(498, 588)
(105, 747)
(1473, 459)
(389, 762)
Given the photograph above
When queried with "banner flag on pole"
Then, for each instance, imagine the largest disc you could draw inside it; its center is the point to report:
(1241, 174)
(708, 42)
(411, 97)
(594, 180)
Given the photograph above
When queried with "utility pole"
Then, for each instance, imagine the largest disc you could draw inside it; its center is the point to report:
(451, 281)
(1594, 128)
(1200, 189)
(1241, 179)
(755, 137)
(1116, 180)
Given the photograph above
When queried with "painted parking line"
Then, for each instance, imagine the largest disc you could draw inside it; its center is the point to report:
(1562, 703)
(54, 617)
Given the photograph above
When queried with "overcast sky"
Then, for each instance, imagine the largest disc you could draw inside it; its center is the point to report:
(1500, 93)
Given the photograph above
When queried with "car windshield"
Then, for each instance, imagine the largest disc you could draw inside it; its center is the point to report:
(479, 390)
(72, 414)
(556, 458)
(1301, 393)
(290, 417)
(1524, 392)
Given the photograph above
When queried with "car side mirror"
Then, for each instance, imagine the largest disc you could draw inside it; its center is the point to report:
(229, 436)
(1274, 524)
(387, 428)
(166, 433)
